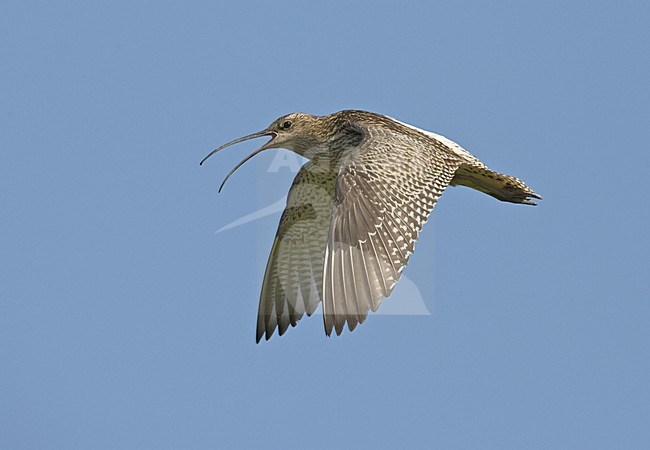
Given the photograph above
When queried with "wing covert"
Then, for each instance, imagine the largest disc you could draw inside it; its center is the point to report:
(385, 190)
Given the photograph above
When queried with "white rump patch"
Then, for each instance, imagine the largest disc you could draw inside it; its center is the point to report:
(460, 151)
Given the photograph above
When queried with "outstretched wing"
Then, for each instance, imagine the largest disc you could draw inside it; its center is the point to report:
(293, 280)
(385, 190)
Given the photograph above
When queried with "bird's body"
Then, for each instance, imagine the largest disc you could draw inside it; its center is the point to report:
(354, 212)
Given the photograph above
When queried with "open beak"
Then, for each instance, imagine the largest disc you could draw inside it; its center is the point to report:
(237, 141)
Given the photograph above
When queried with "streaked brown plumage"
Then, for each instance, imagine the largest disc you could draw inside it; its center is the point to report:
(354, 212)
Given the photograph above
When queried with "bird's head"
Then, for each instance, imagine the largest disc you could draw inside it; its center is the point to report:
(297, 132)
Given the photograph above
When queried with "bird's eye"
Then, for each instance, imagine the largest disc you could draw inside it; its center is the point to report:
(285, 125)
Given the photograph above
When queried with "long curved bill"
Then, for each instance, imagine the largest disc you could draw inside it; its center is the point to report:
(237, 141)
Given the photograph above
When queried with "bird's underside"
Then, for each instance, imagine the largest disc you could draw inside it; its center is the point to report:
(351, 222)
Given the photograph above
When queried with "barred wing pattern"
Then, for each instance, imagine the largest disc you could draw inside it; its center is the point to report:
(385, 191)
(293, 280)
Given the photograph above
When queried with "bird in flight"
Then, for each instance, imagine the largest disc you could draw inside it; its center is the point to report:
(354, 211)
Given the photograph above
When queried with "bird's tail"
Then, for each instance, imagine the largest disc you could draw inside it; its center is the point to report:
(498, 185)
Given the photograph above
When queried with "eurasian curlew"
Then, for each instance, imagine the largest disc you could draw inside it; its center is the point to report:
(354, 211)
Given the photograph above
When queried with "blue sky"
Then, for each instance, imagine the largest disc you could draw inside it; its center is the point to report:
(127, 322)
